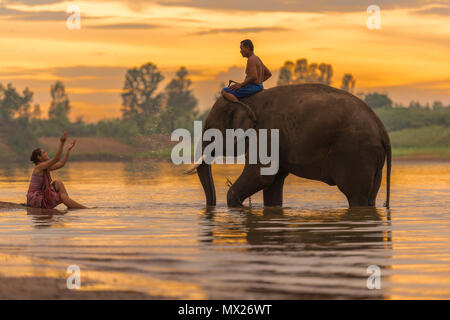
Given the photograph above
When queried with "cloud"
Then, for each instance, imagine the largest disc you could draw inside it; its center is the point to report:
(321, 49)
(35, 16)
(257, 5)
(437, 7)
(439, 10)
(125, 26)
(291, 6)
(33, 2)
(241, 30)
(43, 15)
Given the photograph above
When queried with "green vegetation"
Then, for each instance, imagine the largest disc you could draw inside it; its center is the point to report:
(422, 152)
(150, 113)
(432, 136)
(416, 130)
(398, 118)
(144, 113)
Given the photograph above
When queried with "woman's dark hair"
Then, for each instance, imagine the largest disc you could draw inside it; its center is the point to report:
(247, 43)
(35, 154)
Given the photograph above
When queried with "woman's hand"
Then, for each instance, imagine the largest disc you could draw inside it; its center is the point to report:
(63, 137)
(72, 144)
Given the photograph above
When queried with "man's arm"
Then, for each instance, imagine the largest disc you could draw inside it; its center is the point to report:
(267, 73)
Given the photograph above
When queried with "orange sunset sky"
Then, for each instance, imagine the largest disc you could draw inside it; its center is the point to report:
(408, 58)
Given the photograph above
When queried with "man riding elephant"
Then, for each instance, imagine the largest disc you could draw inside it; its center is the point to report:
(256, 73)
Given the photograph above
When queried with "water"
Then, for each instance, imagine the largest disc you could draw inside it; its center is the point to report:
(151, 233)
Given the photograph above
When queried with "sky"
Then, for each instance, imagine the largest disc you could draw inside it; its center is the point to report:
(407, 58)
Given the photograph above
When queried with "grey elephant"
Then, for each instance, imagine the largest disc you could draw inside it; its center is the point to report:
(325, 134)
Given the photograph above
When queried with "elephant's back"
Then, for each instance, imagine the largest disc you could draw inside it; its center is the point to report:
(315, 117)
(315, 103)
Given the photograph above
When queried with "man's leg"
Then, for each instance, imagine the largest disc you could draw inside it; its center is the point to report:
(229, 96)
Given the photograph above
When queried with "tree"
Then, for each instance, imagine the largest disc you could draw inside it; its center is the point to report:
(286, 71)
(415, 105)
(311, 73)
(12, 104)
(301, 72)
(348, 82)
(60, 105)
(15, 114)
(140, 102)
(378, 100)
(36, 113)
(438, 105)
(326, 73)
(180, 102)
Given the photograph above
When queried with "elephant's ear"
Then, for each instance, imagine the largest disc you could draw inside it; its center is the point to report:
(242, 116)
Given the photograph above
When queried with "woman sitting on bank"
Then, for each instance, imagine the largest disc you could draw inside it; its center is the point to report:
(43, 193)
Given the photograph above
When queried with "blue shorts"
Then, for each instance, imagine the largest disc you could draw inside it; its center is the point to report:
(245, 91)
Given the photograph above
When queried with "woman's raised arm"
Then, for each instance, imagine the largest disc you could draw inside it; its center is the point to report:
(62, 162)
(44, 165)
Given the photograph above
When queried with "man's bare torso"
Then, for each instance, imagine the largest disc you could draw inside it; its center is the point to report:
(255, 62)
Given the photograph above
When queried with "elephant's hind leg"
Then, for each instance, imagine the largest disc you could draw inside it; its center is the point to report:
(375, 187)
(355, 178)
(273, 194)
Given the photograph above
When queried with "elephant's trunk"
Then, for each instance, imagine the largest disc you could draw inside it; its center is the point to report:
(206, 178)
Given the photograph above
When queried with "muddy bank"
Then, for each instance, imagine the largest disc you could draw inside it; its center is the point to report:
(11, 206)
(12, 288)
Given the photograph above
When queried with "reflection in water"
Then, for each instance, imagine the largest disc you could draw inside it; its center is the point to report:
(297, 241)
(150, 232)
(45, 218)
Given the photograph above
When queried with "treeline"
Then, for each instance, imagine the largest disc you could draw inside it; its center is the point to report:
(303, 72)
(148, 109)
(411, 126)
(398, 117)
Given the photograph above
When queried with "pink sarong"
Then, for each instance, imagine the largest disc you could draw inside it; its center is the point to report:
(36, 190)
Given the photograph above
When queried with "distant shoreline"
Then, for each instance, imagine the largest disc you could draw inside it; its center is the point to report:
(41, 287)
(421, 158)
(158, 148)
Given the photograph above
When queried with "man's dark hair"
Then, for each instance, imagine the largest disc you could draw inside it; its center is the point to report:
(247, 43)
(35, 154)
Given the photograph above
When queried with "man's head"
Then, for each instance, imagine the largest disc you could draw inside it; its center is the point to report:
(246, 48)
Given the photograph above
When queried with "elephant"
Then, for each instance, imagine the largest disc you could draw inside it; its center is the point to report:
(325, 134)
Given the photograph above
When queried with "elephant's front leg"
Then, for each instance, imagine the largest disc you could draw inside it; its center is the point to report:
(248, 183)
(273, 194)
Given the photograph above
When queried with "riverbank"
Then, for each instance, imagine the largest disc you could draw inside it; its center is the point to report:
(424, 153)
(29, 288)
(159, 148)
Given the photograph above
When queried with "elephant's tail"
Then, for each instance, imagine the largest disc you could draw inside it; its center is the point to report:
(388, 173)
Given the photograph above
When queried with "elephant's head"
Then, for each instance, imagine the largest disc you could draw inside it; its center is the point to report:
(223, 115)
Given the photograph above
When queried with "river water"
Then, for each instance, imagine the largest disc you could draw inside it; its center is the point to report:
(151, 233)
